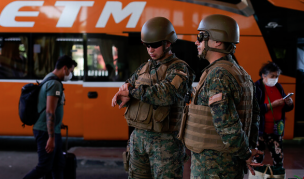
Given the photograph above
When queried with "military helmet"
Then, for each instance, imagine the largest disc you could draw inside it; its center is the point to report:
(220, 28)
(158, 29)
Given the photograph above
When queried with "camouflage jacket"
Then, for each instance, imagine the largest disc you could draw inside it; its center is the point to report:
(163, 93)
(225, 116)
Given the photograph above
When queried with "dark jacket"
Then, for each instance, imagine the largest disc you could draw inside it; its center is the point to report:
(260, 95)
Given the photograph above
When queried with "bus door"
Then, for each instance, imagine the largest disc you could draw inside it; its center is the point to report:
(106, 69)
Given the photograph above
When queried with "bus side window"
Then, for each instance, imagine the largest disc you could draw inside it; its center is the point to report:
(13, 57)
(106, 58)
(48, 48)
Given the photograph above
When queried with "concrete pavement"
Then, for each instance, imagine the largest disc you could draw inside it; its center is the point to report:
(106, 162)
(15, 164)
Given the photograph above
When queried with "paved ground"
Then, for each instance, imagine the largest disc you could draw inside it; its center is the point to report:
(106, 162)
(15, 164)
(18, 156)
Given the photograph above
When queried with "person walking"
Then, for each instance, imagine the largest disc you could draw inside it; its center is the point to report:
(47, 129)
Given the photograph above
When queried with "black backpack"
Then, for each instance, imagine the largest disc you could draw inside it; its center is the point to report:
(28, 102)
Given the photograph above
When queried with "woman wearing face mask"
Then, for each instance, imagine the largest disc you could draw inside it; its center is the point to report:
(270, 95)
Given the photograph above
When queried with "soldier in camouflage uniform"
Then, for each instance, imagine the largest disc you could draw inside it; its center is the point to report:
(219, 139)
(154, 99)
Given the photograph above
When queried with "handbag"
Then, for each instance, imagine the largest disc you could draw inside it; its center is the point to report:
(278, 126)
(268, 172)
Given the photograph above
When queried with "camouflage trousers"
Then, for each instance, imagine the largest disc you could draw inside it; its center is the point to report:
(155, 155)
(211, 164)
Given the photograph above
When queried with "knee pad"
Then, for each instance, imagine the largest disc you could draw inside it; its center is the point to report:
(139, 170)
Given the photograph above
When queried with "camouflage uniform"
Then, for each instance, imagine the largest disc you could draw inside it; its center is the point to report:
(212, 163)
(159, 155)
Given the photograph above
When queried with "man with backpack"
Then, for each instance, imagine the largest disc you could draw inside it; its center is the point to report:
(47, 128)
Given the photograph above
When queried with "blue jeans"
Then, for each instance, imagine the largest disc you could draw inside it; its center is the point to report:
(48, 162)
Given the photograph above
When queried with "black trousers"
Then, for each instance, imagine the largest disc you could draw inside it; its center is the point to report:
(274, 145)
(48, 162)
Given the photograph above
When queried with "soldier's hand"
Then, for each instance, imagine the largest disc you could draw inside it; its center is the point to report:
(122, 96)
(124, 100)
(250, 167)
(250, 164)
(114, 99)
(125, 87)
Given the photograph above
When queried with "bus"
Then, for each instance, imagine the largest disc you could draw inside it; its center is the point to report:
(103, 36)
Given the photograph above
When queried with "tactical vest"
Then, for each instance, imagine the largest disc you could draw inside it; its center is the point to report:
(197, 128)
(155, 118)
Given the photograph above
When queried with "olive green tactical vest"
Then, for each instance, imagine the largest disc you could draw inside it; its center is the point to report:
(158, 119)
(197, 128)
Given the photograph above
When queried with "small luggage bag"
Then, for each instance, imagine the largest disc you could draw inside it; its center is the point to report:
(69, 171)
(70, 160)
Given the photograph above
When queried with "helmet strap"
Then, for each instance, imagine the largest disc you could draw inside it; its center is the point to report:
(165, 51)
(229, 50)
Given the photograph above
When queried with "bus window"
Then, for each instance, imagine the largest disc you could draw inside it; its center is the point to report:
(47, 49)
(13, 57)
(282, 54)
(77, 55)
(105, 59)
(96, 62)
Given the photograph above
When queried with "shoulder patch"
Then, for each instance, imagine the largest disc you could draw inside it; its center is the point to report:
(58, 93)
(181, 73)
(177, 80)
(215, 98)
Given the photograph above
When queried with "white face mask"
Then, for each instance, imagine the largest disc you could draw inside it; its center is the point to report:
(271, 81)
(68, 77)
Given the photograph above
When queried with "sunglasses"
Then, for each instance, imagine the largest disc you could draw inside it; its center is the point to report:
(200, 37)
(153, 45)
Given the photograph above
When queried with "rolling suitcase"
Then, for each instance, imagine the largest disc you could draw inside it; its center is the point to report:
(70, 161)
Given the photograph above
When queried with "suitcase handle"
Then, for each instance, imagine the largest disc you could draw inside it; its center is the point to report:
(66, 137)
